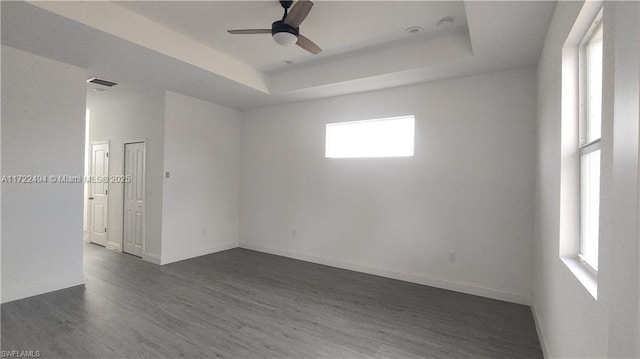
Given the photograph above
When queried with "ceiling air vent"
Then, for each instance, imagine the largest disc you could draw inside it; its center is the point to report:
(97, 81)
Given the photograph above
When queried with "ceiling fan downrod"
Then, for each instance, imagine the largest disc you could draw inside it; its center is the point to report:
(286, 4)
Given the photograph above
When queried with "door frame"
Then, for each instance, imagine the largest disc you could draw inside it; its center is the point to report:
(89, 213)
(144, 192)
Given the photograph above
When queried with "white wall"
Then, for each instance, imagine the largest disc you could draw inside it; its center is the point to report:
(621, 237)
(571, 322)
(468, 189)
(125, 114)
(201, 196)
(43, 110)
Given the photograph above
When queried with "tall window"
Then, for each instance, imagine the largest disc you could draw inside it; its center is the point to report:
(590, 86)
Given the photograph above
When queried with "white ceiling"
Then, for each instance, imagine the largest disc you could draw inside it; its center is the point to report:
(183, 46)
(335, 26)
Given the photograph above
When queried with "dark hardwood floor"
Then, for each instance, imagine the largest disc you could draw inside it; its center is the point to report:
(245, 304)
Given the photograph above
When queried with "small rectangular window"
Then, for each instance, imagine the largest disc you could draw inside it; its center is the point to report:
(590, 87)
(385, 137)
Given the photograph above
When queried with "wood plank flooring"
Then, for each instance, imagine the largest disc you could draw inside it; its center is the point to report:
(245, 304)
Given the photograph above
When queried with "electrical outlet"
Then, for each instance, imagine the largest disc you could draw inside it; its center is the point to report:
(452, 256)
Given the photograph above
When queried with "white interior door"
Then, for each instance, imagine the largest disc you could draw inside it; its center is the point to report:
(99, 193)
(134, 206)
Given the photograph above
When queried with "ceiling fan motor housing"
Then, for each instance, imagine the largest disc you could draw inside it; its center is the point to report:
(280, 26)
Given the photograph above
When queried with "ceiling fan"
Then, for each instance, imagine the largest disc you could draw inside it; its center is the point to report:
(287, 31)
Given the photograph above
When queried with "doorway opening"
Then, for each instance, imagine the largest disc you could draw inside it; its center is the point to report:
(117, 131)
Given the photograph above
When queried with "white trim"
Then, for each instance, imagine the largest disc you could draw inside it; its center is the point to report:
(588, 265)
(199, 252)
(539, 330)
(86, 169)
(583, 23)
(590, 147)
(572, 151)
(457, 286)
(583, 78)
(113, 247)
(372, 120)
(585, 275)
(37, 288)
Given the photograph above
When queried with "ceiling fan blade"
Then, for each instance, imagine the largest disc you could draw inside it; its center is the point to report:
(298, 13)
(308, 45)
(250, 31)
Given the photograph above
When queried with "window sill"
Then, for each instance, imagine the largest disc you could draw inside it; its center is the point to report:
(585, 275)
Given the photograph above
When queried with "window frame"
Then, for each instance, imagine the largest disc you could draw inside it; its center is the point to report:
(586, 147)
(332, 155)
(583, 81)
(569, 239)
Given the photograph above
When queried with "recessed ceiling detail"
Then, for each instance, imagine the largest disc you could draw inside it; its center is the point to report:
(141, 31)
(184, 46)
(337, 26)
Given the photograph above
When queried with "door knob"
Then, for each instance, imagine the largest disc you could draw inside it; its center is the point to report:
(90, 198)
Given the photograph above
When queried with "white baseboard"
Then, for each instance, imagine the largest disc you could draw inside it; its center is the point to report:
(152, 258)
(432, 281)
(113, 246)
(11, 294)
(197, 253)
(536, 320)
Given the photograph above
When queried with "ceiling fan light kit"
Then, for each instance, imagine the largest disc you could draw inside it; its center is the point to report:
(286, 32)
